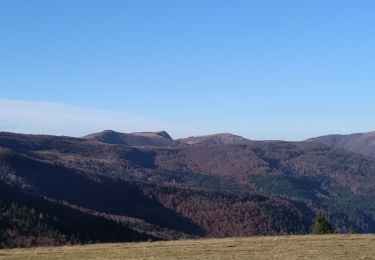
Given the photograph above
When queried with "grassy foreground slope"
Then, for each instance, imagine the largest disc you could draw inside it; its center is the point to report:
(277, 247)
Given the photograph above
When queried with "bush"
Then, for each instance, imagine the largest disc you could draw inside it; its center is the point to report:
(352, 231)
(321, 226)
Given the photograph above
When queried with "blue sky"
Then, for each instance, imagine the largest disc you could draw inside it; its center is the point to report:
(262, 69)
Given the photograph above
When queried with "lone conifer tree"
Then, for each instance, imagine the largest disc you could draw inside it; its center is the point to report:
(321, 226)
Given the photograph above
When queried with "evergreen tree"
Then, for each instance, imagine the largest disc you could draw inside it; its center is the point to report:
(321, 226)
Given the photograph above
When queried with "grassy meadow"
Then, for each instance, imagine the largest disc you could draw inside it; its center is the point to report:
(277, 247)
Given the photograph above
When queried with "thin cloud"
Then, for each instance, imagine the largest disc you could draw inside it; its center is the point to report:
(61, 119)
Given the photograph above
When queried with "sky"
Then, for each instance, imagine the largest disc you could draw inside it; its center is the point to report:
(263, 69)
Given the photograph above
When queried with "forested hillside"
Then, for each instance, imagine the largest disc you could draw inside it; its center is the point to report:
(61, 190)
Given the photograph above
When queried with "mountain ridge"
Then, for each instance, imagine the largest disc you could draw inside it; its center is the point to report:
(161, 138)
(363, 143)
(216, 139)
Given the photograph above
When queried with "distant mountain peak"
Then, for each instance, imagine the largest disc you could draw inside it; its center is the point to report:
(217, 139)
(363, 143)
(163, 134)
(160, 139)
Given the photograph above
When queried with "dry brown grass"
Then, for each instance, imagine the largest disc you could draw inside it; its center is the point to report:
(286, 247)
